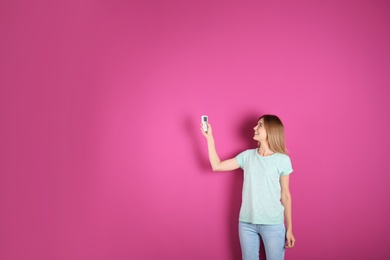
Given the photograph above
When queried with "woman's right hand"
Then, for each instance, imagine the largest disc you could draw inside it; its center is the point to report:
(209, 132)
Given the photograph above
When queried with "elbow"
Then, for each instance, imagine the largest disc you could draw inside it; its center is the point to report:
(215, 168)
(286, 197)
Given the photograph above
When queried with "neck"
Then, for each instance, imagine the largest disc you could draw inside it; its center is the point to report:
(264, 150)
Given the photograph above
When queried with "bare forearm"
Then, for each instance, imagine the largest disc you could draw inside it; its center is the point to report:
(213, 156)
(286, 201)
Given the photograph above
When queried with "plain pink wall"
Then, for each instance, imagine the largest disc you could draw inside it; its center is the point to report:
(101, 153)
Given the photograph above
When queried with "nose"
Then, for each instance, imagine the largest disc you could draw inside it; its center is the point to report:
(254, 128)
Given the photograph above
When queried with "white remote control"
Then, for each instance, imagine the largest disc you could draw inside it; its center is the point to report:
(204, 119)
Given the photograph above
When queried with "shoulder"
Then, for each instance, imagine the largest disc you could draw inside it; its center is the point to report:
(249, 152)
(246, 155)
(282, 157)
(252, 151)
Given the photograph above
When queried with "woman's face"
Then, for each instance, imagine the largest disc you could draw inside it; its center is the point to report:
(260, 133)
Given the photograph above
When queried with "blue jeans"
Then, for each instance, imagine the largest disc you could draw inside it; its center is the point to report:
(273, 236)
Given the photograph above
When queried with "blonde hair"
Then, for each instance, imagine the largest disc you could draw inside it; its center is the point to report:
(275, 133)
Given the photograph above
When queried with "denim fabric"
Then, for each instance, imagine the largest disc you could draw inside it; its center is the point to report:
(273, 237)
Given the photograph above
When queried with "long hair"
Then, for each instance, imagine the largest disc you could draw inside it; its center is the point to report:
(275, 133)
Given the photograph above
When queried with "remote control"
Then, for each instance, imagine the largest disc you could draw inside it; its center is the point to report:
(204, 119)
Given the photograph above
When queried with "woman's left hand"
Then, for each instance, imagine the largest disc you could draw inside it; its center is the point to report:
(290, 240)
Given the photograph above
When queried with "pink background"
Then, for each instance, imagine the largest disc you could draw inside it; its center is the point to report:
(101, 153)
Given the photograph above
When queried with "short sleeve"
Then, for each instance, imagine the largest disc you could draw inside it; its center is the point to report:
(241, 159)
(285, 167)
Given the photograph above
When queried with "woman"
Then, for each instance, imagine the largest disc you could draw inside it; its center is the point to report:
(266, 198)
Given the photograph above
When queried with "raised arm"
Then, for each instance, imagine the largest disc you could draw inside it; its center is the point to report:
(216, 163)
